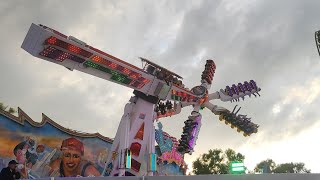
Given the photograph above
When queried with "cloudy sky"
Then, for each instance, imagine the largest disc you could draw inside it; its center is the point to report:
(269, 41)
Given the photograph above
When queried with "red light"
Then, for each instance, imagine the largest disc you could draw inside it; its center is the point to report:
(140, 85)
(184, 94)
(52, 40)
(139, 134)
(135, 75)
(63, 56)
(126, 71)
(146, 81)
(74, 49)
(135, 148)
(57, 42)
(143, 80)
(113, 65)
(101, 60)
(97, 58)
(56, 54)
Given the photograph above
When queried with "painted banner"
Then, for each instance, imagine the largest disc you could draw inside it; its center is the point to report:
(47, 149)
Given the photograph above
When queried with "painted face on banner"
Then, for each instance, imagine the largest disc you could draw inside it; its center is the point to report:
(40, 149)
(21, 156)
(71, 160)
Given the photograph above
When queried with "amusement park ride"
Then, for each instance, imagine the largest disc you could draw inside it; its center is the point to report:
(158, 93)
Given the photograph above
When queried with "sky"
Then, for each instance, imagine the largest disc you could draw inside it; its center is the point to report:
(269, 41)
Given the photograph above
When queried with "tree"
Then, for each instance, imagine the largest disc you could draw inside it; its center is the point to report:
(267, 166)
(231, 155)
(291, 168)
(12, 110)
(270, 166)
(215, 162)
(3, 108)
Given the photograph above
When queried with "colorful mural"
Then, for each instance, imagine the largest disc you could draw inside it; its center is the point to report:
(47, 149)
(170, 161)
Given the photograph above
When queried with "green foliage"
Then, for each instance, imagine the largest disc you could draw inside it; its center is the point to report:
(215, 162)
(3, 108)
(282, 168)
(12, 110)
(269, 163)
(291, 168)
(233, 156)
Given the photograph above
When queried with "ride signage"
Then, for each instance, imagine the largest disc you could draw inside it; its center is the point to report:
(237, 168)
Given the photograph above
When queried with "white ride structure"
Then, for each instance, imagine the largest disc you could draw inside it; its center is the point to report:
(158, 93)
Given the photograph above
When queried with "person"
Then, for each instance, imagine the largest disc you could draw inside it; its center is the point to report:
(24, 157)
(10, 172)
(71, 163)
(40, 150)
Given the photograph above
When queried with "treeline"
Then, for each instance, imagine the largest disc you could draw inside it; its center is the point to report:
(217, 161)
(10, 110)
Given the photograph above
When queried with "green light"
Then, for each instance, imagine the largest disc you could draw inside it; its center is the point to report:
(115, 75)
(91, 64)
(173, 96)
(153, 162)
(237, 168)
(118, 78)
(128, 159)
(237, 164)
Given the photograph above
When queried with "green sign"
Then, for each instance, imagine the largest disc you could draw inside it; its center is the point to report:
(237, 168)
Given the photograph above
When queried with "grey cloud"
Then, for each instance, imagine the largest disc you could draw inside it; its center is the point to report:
(268, 41)
(273, 44)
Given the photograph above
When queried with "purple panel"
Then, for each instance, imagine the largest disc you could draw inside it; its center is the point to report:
(247, 85)
(235, 89)
(229, 92)
(253, 84)
(241, 88)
